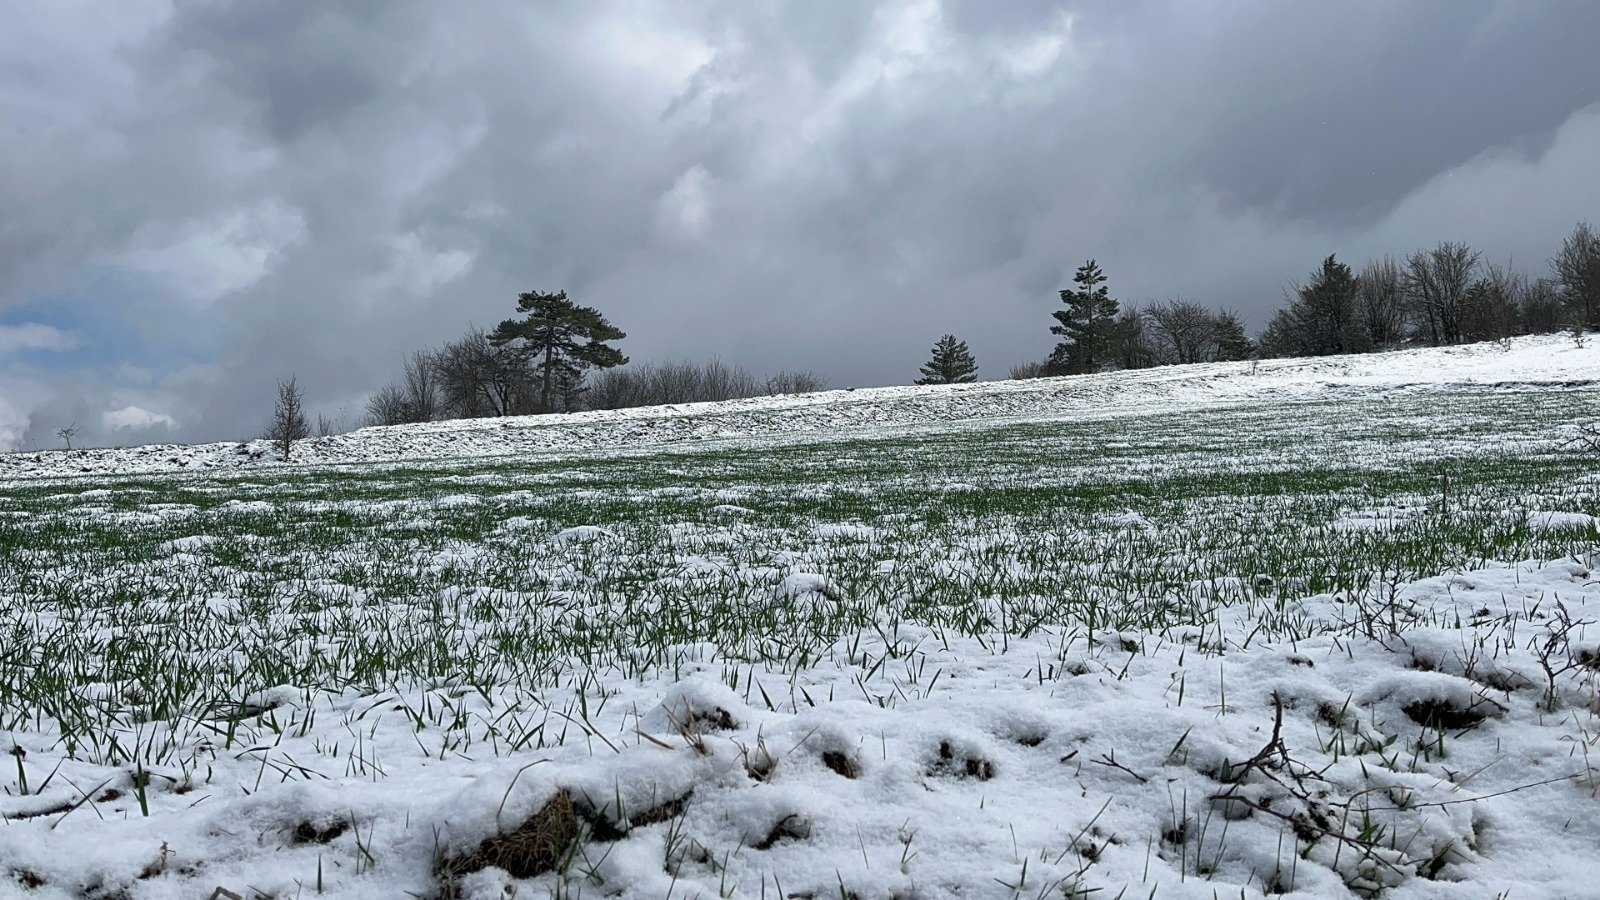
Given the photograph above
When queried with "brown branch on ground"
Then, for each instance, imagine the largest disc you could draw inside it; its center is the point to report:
(1110, 760)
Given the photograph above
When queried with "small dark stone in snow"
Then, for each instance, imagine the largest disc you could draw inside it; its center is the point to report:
(307, 833)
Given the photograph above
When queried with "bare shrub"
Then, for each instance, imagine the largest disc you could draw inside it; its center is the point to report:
(1025, 370)
(659, 383)
(388, 406)
(787, 382)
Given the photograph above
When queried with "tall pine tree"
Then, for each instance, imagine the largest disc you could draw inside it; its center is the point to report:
(952, 363)
(1088, 325)
(560, 339)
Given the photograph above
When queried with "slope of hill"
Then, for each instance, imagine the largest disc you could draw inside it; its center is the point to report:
(1546, 361)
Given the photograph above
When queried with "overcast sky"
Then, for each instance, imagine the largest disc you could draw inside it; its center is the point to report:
(200, 197)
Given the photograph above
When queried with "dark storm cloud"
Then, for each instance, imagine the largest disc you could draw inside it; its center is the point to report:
(246, 190)
(1333, 112)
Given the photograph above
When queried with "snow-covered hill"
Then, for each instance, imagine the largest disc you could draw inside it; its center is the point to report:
(1544, 361)
(1261, 647)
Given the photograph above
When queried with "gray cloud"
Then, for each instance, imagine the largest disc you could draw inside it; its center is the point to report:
(244, 190)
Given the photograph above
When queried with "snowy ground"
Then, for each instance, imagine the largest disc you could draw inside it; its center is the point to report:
(1322, 631)
(1532, 362)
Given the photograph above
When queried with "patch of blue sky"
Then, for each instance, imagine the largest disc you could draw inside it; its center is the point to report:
(117, 320)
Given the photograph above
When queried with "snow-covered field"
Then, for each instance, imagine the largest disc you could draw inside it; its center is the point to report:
(1534, 362)
(1319, 629)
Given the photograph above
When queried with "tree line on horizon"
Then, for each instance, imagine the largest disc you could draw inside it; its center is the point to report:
(1442, 296)
(558, 356)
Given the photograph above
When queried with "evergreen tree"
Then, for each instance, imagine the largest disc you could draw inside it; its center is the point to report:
(952, 363)
(1233, 344)
(1321, 318)
(560, 340)
(1088, 325)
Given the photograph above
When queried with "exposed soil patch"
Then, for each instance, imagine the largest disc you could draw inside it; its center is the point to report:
(841, 764)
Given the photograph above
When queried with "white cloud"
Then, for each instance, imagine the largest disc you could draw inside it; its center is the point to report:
(1035, 54)
(686, 208)
(134, 418)
(205, 260)
(417, 268)
(13, 423)
(655, 49)
(135, 374)
(33, 336)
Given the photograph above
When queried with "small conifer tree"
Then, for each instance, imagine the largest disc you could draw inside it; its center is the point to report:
(1233, 345)
(952, 363)
(1088, 325)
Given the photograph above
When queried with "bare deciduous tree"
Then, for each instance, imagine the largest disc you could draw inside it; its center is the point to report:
(1541, 307)
(327, 426)
(388, 406)
(477, 378)
(416, 398)
(1132, 340)
(1577, 269)
(1182, 331)
(288, 418)
(1381, 303)
(68, 433)
(1436, 283)
(1494, 304)
(421, 384)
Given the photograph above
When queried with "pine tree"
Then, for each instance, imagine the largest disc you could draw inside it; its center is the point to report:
(1088, 325)
(952, 363)
(560, 340)
(1233, 345)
